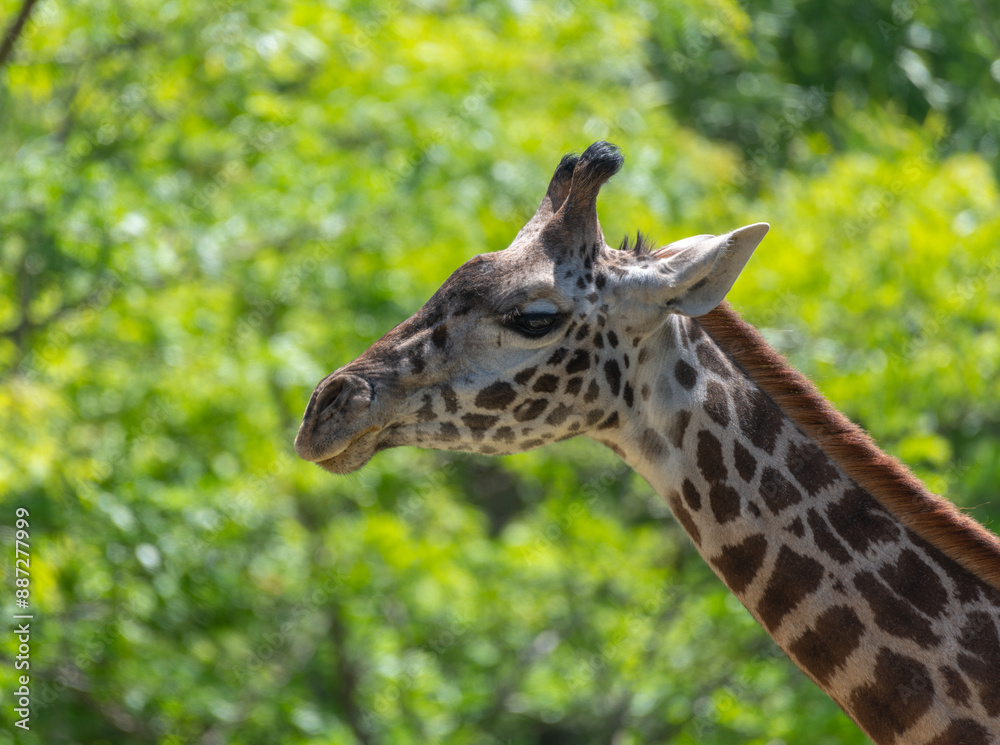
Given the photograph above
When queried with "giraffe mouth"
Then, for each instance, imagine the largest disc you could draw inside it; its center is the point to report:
(355, 454)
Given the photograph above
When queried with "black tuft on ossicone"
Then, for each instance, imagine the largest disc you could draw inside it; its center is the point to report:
(564, 171)
(600, 161)
(603, 156)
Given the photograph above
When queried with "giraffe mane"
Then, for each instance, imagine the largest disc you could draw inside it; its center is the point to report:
(930, 516)
(643, 243)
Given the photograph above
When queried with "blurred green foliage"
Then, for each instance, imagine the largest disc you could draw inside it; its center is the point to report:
(206, 207)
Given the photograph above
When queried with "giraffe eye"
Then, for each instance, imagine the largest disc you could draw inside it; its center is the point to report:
(532, 324)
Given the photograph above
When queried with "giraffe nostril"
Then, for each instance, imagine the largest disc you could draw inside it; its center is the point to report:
(329, 398)
(345, 395)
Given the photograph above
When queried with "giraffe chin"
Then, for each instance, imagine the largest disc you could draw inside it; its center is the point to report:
(354, 456)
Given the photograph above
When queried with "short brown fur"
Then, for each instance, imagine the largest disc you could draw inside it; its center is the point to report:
(932, 517)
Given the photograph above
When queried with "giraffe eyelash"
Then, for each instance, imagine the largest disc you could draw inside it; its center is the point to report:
(521, 322)
(510, 317)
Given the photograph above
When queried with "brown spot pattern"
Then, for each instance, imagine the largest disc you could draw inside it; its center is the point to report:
(739, 563)
(558, 415)
(963, 732)
(691, 495)
(498, 395)
(557, 356)
(579, 362)
(825, 540)
(796, 528)
(593, 391)
(915, 581)
(968, 586)
(710, 461)
(956, 689)
(710, 359)
(684, 517)
(504, 434)
(546, 384)
(893, 615)
(981, 658)
(760, 419)
(823, 649)
(573, 386)
(900, 695)
(746, 464)
(530, 409)
(611, 422)
(725, 502)
(778, 492)
(479, 421)
(450, 399)
(426, 412)
(651, 444)
(524, 375)
(717, 403)
(861, 521)
(810, 467)
(794, 578)
(613, 374)
(686, 375)
(678, 427)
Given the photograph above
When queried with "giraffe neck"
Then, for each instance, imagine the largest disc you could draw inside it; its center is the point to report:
(861, 595)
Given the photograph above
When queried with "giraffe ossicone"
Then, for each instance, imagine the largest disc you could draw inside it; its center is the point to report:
(884, 594)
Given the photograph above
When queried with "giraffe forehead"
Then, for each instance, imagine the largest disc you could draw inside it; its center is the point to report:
(515, 278)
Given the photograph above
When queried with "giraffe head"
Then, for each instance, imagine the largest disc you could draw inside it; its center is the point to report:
(536, 343)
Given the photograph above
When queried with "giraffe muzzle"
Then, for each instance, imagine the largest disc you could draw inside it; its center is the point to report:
(336, 428)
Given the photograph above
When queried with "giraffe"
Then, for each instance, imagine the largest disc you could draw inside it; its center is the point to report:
(884, 594)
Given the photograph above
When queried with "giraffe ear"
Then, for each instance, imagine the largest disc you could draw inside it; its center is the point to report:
(693, 275)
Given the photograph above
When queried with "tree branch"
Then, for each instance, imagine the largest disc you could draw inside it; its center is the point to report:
(14, 30)
(348, 677)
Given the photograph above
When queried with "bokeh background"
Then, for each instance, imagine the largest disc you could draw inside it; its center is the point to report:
(205, 207)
